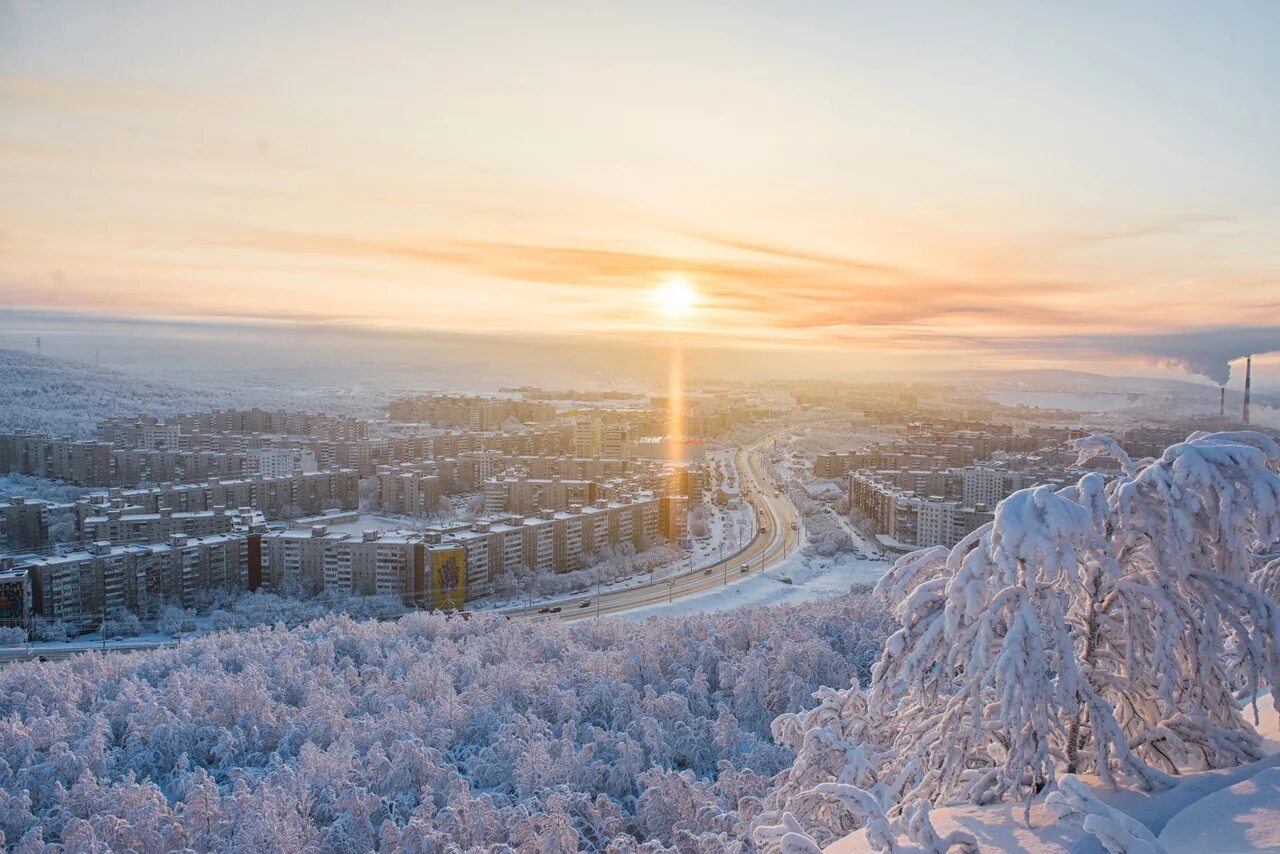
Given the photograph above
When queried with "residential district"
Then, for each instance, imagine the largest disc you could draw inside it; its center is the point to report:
(469, 490)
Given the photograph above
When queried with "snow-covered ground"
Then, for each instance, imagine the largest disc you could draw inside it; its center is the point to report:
(1233, 810)
(813, 579)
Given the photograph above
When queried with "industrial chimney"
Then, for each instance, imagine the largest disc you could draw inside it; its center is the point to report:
(1248, 380)
(1222, 402)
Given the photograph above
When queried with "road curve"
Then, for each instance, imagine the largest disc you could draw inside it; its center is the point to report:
(774, 513)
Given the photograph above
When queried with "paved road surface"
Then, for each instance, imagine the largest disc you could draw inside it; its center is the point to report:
(775, 514)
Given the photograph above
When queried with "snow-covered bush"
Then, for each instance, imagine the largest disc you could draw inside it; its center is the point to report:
(700, 521)
(12, 636)
(248, 611)
(1097, 629)
(122, 623)
(49, 630)
(175, 621)
(826, 536)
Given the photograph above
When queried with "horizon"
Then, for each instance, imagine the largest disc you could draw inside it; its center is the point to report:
(131, 344)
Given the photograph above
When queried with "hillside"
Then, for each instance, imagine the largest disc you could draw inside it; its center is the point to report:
(68, 398)
(408, 736)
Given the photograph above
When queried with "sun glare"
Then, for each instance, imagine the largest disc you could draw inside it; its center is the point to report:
(676, 298)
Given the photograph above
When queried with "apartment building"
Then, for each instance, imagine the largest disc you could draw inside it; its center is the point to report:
(511, 493)
(32, 523)
(905, 520)
(554, 540)
(438, 568)
(409, 489)
(79, 587)
(281, 462)
(666, 448)
(835, 464)
(15, 594)
(468, 411)
(84, 463)
(374, 563)
(673, 521)
(134, 432)
(588, 437)
(119, 527)
(276, 497)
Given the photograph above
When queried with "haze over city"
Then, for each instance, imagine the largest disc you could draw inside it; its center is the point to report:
(639, 428)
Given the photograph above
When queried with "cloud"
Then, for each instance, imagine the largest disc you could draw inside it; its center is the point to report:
(1201, 352)
(776, 287)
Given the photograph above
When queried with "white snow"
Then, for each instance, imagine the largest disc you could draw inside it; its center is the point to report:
(1243, 817)
(1233, 810)
(814, 579)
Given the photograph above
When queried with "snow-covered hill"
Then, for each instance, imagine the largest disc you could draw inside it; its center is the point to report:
(414, 735)
(69, 398)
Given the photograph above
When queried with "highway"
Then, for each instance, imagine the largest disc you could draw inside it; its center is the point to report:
(21, 653)
(775, 514)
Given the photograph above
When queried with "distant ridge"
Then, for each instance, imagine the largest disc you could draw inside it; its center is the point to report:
(68, 398)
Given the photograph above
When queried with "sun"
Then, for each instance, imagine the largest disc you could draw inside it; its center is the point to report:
(676, 298)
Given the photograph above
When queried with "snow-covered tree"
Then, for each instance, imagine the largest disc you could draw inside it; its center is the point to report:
(1102, 628)
(1086, 629)
(49, 630)
(420, 733)
(831, 742)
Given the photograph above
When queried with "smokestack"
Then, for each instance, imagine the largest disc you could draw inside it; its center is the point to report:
(1248, 380)
(1222, 402)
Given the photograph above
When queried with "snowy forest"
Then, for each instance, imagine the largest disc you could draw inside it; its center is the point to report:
(1117, 630)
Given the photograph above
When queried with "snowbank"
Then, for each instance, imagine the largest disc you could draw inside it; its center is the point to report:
(813, 579)
(1233, 810)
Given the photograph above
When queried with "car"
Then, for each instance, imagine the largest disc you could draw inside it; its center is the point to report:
(785, 579)
(546, 610)
(745, 568)
(763, 529)
(585, 603)
(555, 610)
(794, 526)
(707, 571)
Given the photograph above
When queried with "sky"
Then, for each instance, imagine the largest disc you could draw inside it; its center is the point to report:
(1087, 185)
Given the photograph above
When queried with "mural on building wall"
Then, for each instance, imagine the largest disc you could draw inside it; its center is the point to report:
(449, 578)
